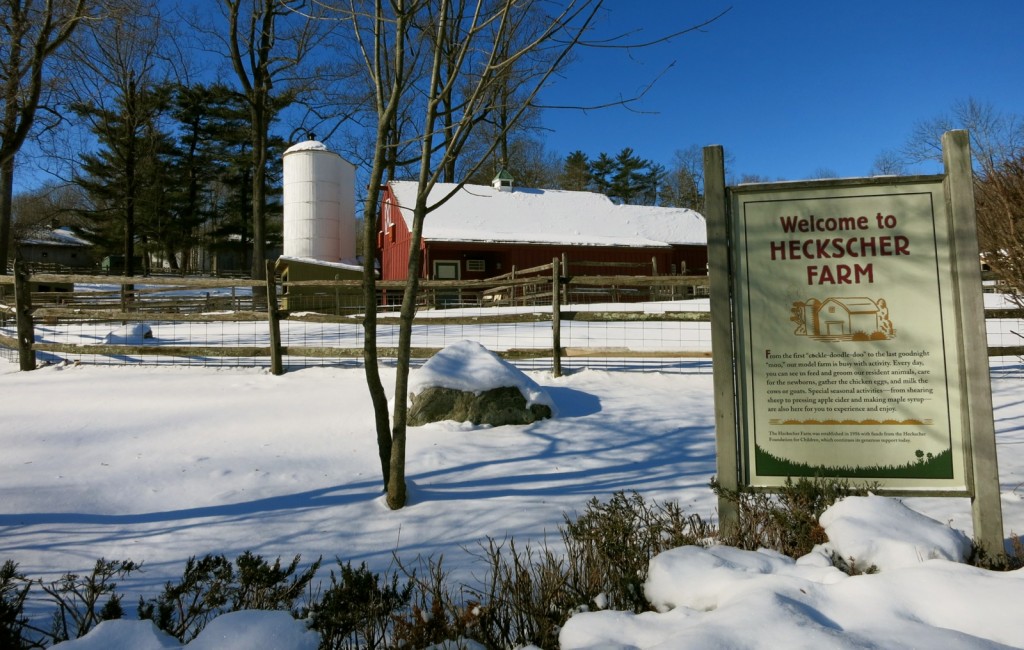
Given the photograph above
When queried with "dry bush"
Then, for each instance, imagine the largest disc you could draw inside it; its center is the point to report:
(786, 521)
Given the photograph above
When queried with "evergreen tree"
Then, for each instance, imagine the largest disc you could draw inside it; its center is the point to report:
(121, 98)
(602, 170)
(626, 178)
(213, 164)
(649, 192)
(125, 179)
(575, 172)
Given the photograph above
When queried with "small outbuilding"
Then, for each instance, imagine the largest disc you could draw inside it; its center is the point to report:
(58, 247)
(325, 299)
(55, 249)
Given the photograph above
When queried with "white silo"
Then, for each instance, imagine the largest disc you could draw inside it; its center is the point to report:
(319, 203)
(347, 213)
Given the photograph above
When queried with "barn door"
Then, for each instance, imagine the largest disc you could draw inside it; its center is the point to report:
(447, 270)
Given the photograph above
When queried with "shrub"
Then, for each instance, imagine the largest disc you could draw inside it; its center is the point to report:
(211, 586)
(183, 609)
(526, 596)
(609, 546)
(787, 521)
(524, 600)
(530, 592)
(1007, 562)
(262, 585)
(358, 608)
(14, 588)
(84, 601)
(437, 615)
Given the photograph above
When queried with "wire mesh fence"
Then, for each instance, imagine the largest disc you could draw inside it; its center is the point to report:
(216, 322)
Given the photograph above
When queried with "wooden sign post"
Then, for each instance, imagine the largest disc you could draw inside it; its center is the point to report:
(848, 335)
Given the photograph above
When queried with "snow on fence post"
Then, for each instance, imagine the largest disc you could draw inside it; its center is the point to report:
(556, 319)
(23, 314)
(273, 319)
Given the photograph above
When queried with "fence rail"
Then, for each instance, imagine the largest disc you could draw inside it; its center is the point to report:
(529, 314)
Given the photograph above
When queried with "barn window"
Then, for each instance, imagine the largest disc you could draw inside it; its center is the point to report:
(446, 270)
(476, 265)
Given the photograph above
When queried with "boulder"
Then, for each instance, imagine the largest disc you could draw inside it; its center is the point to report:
(496, 407)
(466, 382)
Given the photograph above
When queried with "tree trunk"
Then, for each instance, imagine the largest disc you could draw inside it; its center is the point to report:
(378, 397)
(396, 486)
(259, 195)
(6, 211)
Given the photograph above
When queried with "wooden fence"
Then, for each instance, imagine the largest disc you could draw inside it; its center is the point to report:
(179, 300)
(125, 300)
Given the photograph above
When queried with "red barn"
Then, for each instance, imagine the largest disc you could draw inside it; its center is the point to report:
(485, 231)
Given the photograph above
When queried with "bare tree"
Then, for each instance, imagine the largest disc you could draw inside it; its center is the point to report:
(438, 69)
(996, 137)
(888, 163)
(268, 43)
(33, 30)
(684, 181)
(997, 147)
(119, 93)
(49, 205)
(464, 51)
(1000, 213)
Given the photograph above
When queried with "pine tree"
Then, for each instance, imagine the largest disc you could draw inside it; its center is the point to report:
(213, 160)
(626, 178)
(125, 178)
(575, 172)
(602, 170)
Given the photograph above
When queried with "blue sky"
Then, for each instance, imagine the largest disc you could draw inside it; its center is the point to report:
(788, 87)
(791, 86)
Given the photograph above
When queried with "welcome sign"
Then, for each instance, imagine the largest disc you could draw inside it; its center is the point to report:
(846, 333)
(848, 336)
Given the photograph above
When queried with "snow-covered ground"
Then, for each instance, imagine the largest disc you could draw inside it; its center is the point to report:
(159, 464)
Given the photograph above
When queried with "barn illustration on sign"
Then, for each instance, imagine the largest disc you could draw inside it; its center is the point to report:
(843, 319)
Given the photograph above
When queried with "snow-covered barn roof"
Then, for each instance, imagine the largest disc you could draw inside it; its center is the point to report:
(350, 265)
(62, 236)
(481, 213)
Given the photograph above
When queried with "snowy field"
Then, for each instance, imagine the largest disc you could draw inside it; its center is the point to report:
(156, 464)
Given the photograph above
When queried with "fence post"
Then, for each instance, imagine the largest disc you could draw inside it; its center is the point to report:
(276, 366)
(23, 314)
(512, 276)
(556, 319)
(986, 504)
(565, 271)
(716, 211)
(655, 290)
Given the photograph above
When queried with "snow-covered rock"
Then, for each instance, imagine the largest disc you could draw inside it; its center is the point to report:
(466, 382)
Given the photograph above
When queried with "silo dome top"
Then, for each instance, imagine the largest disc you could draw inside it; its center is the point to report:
(307, 145)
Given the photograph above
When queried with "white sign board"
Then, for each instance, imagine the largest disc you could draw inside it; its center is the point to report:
(847, 334)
